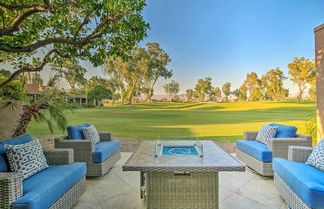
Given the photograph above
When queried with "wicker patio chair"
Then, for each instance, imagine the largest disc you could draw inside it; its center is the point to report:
(83, 152)
(11, 184)
(300, 185)
(278, 148)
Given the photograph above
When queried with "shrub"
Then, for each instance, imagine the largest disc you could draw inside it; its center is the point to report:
(311, 126)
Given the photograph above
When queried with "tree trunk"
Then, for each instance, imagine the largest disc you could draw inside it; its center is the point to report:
(300, 95)
(130, 99)
(319, 49)
(149, 95)
(151, 91)
(25, 119)
(130, 93)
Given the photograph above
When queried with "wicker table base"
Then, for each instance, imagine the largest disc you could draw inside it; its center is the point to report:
(181, 181)
(185, 190)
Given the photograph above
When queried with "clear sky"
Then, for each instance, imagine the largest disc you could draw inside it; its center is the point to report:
(226, 39)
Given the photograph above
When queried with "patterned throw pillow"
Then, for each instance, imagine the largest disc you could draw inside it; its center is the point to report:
(266, 133)
(316, 158)
(27, 158)
(91, 133)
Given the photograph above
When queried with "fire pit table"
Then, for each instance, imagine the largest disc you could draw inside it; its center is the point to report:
(181, 174)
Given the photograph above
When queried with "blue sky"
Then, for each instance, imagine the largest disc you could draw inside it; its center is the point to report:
(226, 39)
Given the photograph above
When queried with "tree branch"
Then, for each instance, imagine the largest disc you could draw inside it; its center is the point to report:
(29, 68)
(15, 6)
(78, 43)
(37, 45)
(19, 19)
(47, 3)
(85, 22)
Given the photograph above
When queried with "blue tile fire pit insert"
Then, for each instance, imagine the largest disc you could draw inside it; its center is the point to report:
(179, 150)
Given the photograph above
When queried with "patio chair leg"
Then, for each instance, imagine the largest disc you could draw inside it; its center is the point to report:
(142, 185)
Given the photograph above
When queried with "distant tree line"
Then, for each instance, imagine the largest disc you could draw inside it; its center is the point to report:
(137, 75)
(267, 87)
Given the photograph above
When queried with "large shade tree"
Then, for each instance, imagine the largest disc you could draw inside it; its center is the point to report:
(98, 93)
(253, 86)
(215, 94)
(128, 73)
(302, 72)
(226, 88)
(242, 93)
(158, 61)
(203, 88)
(272, 83)
(172, 88)
(190, 94)
(34, 33)
(139, 72)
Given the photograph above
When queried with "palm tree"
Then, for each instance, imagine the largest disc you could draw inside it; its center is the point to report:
(49, 107)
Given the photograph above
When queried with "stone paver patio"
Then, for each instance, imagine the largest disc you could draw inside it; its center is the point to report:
(238, 190)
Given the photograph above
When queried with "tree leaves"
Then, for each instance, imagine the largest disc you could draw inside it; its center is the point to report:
(302, 72)
(86, 29)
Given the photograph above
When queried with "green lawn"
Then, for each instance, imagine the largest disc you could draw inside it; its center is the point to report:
(221, 121)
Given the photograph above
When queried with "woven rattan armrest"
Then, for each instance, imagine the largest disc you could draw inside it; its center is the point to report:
(76, 144)
(59, 156)
(105, 136)
(250, 135)
(299, 153)
(279, 146)
(10, 188)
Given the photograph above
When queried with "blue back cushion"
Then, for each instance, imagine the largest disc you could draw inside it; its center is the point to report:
(285, 131)
(75, 132)
(255, 149)
(305, 181)
(44, 188)
(104, 150)
(4, 164)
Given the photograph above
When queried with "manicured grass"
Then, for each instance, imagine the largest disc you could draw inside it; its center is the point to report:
(221, 121)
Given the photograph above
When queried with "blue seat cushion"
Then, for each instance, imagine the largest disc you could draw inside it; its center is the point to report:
(43, 189)
(306, 181)
(104, 150)
(4, 164)
(285, 131)
(255, 149)
(75, 132)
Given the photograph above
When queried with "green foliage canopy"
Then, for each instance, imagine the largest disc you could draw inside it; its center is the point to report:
(214, 94)
(242, 93)
(99, 93)
(253, 85)
(140, 72)
(13, 91)
(158, 61)
(203, 88)
(272, 83)
(172, 88)
(302, 72)
(49, 31)
(190, 94)
(227, 89)
(128, 74)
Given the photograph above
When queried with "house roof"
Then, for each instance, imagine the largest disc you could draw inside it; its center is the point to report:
(36, 89)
